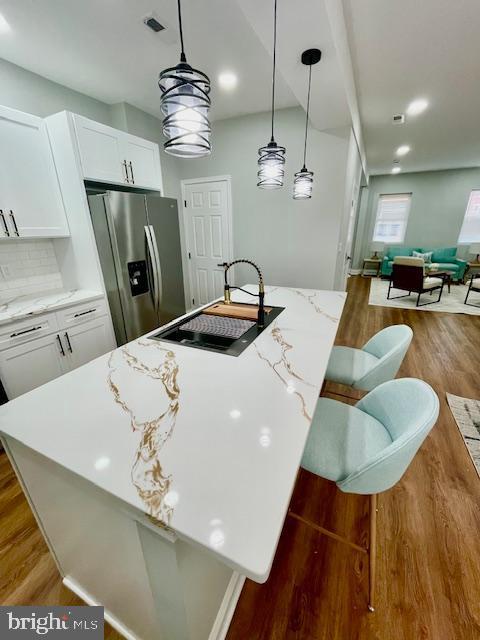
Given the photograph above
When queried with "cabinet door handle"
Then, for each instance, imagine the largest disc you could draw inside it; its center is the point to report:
(62, 350)
(124, 165)
(14, 223)
(68, 342)
(83, 313)
(21, 333)
(5, 226)
(131, 171)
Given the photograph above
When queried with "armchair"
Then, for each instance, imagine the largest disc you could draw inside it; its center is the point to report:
(408, 275)
(473, 286)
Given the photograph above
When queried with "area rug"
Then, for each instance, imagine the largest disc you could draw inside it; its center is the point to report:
(467, 416)
(451, 302)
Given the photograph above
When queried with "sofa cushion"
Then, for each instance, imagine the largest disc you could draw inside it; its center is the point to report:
(427, 256)
(447, 254)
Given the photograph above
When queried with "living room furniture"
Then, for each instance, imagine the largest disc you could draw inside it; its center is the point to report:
(377, 265)
(444, 259)
(377, 361)
(446, 275)
(408, 275)
(472, 267)
(474, 249)
(367, 448)
(473, 286)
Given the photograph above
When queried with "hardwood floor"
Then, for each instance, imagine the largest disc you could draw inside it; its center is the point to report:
(428, 563)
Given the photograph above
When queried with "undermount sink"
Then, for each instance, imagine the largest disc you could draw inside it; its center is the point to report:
(223, 334)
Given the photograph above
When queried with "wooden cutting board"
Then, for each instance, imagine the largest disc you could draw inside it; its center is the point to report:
(235, 310)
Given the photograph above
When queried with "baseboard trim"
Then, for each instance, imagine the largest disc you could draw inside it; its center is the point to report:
(124, 631)
(227, 608)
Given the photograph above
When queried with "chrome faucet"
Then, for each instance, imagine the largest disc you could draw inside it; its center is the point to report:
(261, 290)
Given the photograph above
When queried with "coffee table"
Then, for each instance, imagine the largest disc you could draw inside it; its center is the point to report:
(442, 273)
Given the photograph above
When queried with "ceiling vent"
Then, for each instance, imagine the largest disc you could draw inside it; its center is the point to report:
(399, 118)
(153, 24)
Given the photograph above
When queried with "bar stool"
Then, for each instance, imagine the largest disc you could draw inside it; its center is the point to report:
(366, 448)
(377, 361)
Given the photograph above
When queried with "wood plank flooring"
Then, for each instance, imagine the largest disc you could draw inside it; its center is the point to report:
(428, 567)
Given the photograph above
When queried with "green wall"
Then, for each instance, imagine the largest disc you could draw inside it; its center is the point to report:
(439, 200)
(295, 242)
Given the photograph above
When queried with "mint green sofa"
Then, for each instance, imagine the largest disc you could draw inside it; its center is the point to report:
(445, 258)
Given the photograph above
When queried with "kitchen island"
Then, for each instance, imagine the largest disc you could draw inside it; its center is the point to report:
(161, 474)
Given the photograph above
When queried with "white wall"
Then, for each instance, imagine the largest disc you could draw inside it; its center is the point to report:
(294, 242)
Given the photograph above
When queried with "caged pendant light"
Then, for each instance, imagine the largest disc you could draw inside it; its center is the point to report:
(185, 103)
(271, 159)
(303, 180)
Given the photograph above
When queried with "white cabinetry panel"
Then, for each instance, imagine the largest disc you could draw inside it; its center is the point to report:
(31, 364)
(30, 197)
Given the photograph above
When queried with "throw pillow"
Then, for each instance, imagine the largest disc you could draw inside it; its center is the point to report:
(427, 257)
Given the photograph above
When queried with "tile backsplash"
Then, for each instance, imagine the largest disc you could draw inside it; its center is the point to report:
(28, 267)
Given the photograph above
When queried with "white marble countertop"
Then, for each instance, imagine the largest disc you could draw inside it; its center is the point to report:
(205, 443)
(22, 306)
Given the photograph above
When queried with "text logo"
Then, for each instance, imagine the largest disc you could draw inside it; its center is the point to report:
(56, 623)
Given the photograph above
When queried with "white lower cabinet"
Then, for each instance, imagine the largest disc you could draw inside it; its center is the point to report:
(87, 341)
(31, 364)
(27, 361)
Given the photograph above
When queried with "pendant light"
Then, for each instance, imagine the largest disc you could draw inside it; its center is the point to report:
(185, 103)
(303, 180)
(271, 159)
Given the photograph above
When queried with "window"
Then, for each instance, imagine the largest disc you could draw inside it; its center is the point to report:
(470, 231)
(392, 217)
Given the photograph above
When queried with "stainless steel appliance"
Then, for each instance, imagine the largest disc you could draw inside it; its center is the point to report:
(138, 242)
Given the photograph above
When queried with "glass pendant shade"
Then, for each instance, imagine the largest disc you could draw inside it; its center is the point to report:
(271, 164)
(302, 184)
(185, 104)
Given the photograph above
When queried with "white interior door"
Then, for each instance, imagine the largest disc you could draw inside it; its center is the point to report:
(208, 229)
(350, 231)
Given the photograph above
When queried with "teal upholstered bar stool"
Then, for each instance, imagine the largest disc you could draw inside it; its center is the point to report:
(367, 448)
(377, 361)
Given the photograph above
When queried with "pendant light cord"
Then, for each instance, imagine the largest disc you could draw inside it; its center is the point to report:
(306, 119)
(274, 61)
(182, 55)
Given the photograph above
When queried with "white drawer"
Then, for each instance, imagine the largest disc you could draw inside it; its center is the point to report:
(81, 313)
(20, 331)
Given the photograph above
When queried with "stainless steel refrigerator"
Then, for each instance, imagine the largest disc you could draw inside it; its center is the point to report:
(138, 242)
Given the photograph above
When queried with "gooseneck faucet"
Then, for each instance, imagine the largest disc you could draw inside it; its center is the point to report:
(261, 289)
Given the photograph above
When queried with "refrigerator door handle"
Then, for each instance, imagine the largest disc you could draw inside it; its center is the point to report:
(159, 269)
(153, 263)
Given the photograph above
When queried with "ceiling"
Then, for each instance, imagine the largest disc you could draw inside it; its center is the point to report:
(104, 50)
(417, 49)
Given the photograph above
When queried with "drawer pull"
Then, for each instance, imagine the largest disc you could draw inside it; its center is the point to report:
(14, 223)
(83, 313)
(21, 333)
(5, 226)
(69, 345)
(62, 350)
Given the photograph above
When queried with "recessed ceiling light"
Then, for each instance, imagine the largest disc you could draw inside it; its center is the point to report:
(403, 150)
(396, 169)
(417, 106)
(4, 26)
(227, 80)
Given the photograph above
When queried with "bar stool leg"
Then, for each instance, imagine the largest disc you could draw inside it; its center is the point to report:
(372, 551)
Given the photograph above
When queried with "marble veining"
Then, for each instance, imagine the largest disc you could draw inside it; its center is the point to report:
(148, 476)
(310, 297)
(29, 305)
(283, 363)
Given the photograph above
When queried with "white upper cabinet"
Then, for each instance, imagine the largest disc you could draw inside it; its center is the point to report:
(30, 198)
(111, 155)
